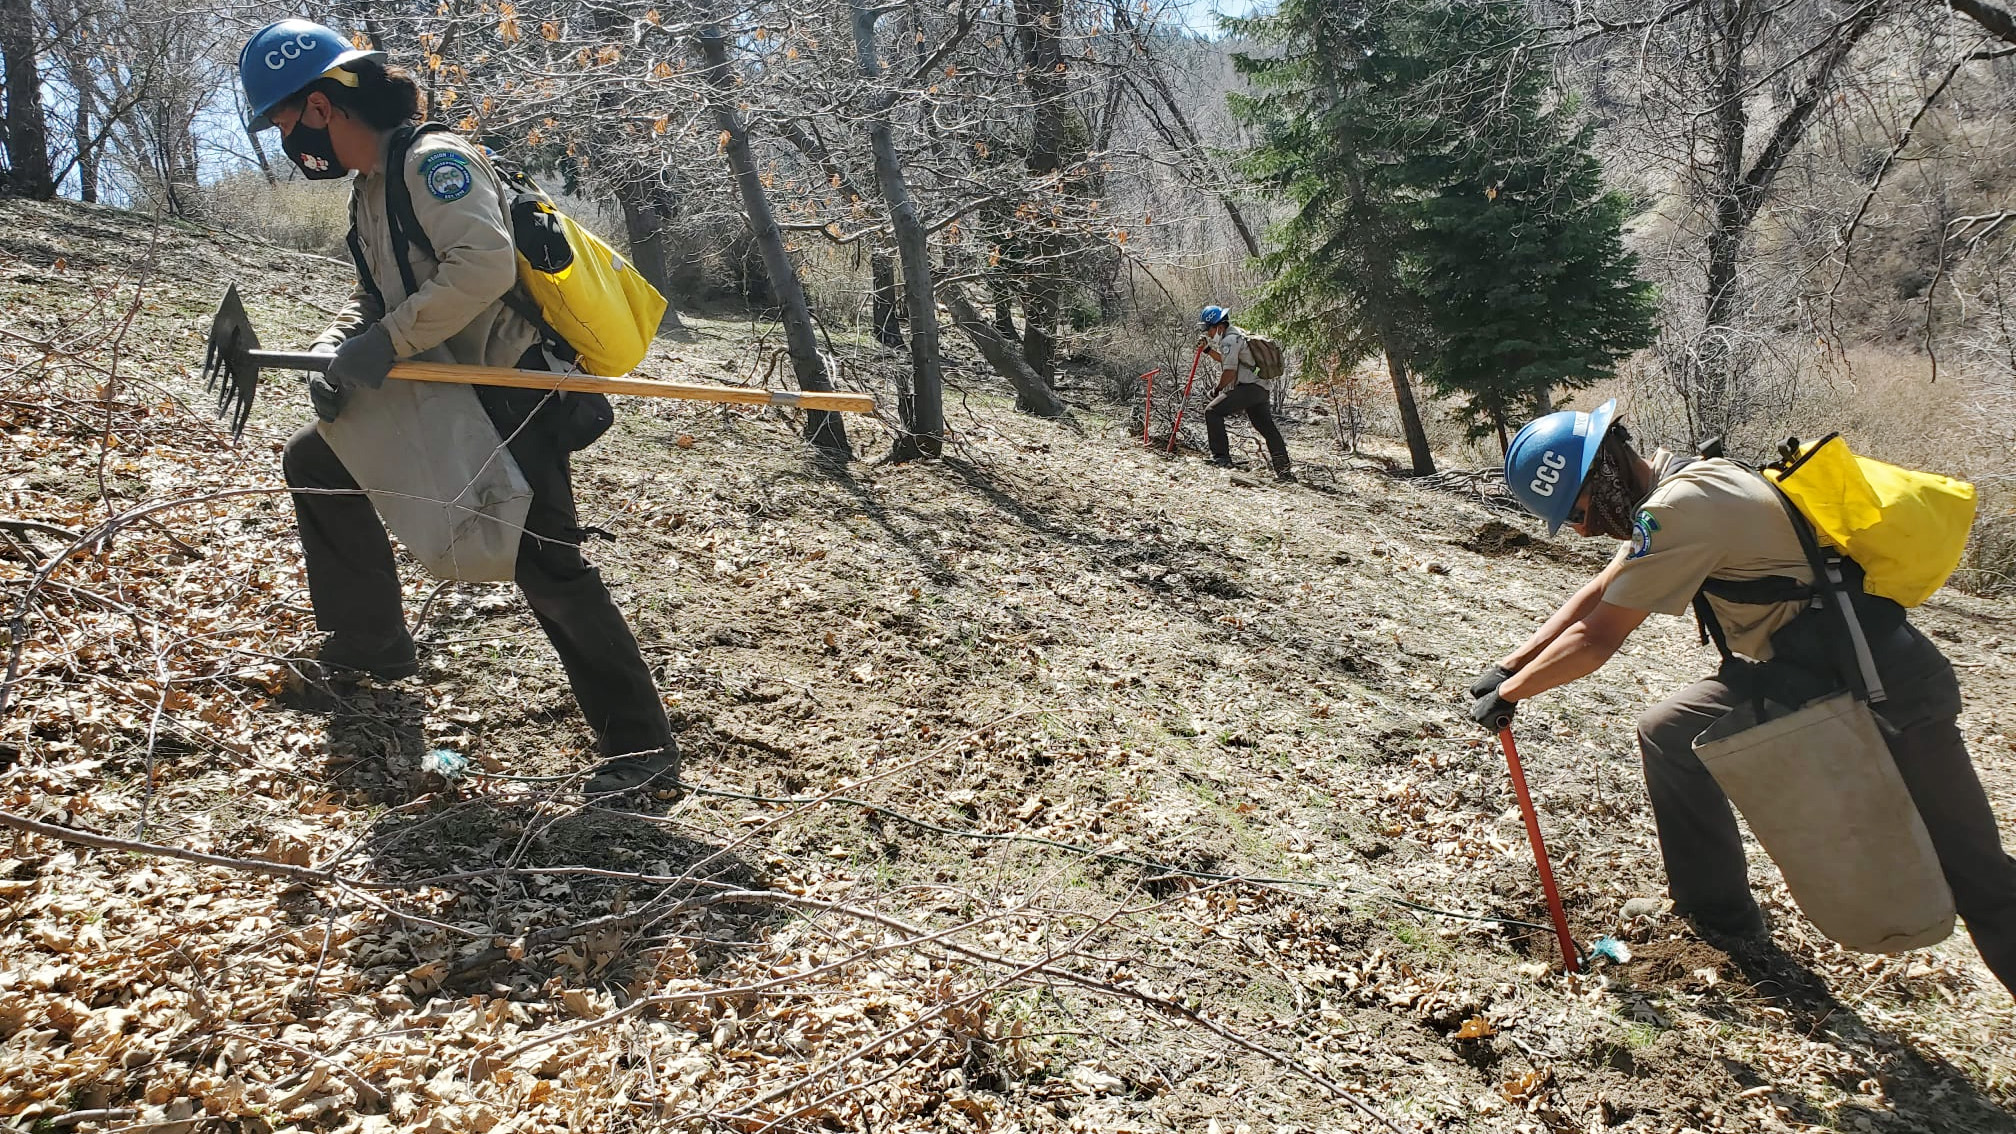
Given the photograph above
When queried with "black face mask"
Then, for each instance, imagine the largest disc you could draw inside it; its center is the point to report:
(313, 151)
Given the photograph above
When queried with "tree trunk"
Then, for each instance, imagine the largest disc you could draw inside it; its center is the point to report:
(824, 429)
(1709, 403)
(1998, 21)
(1044, 74)
(1004, 319)
(259, 155)
(888, 323)
(1410, 416)
(80, 126)
(178, 157)
(252, 136)
(1039, 318)
(174, 156)
(644, 224)
(923, 415)
(1731, 32)
(29, 173)
(1032, 394)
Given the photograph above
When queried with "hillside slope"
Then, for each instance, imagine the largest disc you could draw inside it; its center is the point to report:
(914, 697)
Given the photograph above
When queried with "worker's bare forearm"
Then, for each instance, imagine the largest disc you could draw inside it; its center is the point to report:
(1574, 610)
(1575, 654)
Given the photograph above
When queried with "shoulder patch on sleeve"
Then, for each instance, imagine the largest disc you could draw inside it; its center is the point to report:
(1642, 530)
(446, 174)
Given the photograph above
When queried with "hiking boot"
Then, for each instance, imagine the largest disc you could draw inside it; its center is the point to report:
(1223, 462)
(656, 769)
(343, 656)
(1731, 932)
(1285, 476)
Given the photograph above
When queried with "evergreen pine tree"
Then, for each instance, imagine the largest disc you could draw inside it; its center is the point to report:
(1446, 214)
(1521, 258)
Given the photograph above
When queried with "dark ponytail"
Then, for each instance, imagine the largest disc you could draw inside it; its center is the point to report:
(385, 98)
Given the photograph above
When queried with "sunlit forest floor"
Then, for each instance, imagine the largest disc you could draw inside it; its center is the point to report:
(1055, 784)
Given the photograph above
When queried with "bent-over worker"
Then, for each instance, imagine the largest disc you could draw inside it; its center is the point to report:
(340, 111)
(1685, 522)
(1240, 388)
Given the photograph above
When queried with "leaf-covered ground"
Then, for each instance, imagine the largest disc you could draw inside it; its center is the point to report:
(914, 700)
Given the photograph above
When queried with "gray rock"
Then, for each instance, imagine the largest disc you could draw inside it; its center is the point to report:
(1642, 907)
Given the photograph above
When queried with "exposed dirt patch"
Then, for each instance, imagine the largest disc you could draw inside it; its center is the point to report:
(1497, 538)
(1680, 963)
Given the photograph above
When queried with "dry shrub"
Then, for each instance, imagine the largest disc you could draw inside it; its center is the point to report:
(1990, 566)
(303, 215)
(838, 282)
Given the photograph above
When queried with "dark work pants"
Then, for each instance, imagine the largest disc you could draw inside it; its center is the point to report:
(1697, 829)
(355, 589)
(1254, 399)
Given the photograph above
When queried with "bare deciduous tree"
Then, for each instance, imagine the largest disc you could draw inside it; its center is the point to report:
(27, 136)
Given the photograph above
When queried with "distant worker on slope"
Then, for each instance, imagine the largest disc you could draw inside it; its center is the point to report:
(1719, 530)
(444, 291)
(1241, 386)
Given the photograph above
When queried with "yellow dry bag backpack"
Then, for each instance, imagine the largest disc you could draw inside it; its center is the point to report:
(571, 285)
(586, 293)
(1906, 529)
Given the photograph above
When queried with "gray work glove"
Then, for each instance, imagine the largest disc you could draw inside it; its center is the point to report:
(1489, 681)
(324, 395)
(363, 359)
(1493, 712)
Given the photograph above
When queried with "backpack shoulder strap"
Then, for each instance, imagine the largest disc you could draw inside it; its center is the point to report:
(1830, 588)
(364, 277)
(1711, 626)
(407, 231)
(356, 246)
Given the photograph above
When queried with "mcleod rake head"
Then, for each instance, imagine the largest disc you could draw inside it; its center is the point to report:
(228, 365)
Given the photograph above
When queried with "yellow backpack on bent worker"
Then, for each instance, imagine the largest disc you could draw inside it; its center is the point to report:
(1906, 529)
(575, 287)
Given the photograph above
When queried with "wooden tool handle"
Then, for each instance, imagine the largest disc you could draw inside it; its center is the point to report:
(638, 387)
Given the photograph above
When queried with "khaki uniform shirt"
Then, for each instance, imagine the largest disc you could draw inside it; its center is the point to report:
(458, 307)
(1232, 354)
(1711, 519)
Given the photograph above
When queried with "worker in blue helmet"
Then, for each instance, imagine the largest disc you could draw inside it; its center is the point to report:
(1241, 388)
(1711, 535)
(431, 239)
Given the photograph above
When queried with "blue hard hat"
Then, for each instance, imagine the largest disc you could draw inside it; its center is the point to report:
(1212, 316)
(1550, 458)
(282, 58)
